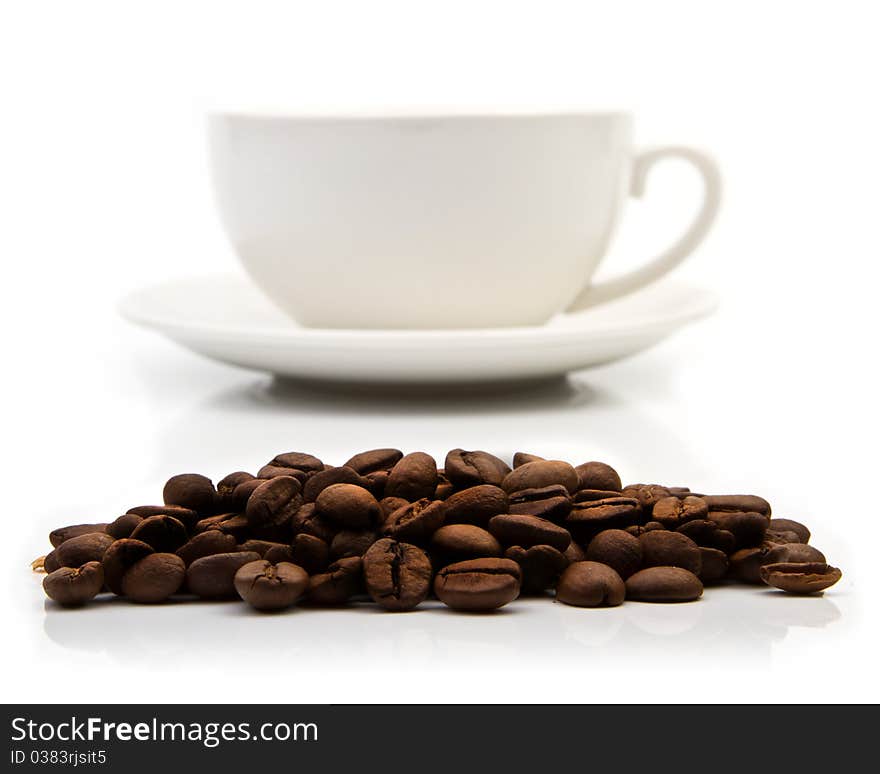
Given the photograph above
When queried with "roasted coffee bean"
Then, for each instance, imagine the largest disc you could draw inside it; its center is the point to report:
(640, 529)
(588, 519)
(549, 502)
(670, 549)
(789, 525)
(589, 495)
(738, 503)
(308, 521)
(413, 477)
(475, 505)
(311, 553)
(154, 578)
(397, 575)
(226, 499)
(598, 475)
(82, 549)
(713, 565)
(664, 584)
(351, 542)
(274, 502)
(390, 504)
(520, 530)
(118, 557)
(456, 542)
(445, 488)
(348, 505)
(205, 544)
(261, 547)
(73, 586)
(776, 537)
(535, 475)
(574, 553)
(540, 566)
(267, 586)
(124, 525)
(212, 577)
(471, 468)
(646, 495)
(673, 511)
(376, 482)
(617, 549)
(163, 533)
(189, 490)
(748, 527)
(58, 536)
(800, 577)
(416, 522)
(242, 493)
(374, 460)
(745, 564)
(521, 458)
(794, 553)
(590, 584)
(306, 463)
(320, 481)
(709, 534)
(478, 584)
(343, 580)
(279, 552)
(50, 561)
(237, 525)
(270, 471)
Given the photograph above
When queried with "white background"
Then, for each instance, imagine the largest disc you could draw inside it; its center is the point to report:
(103, 188)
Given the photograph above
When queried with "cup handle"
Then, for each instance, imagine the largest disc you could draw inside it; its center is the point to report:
(674, 255)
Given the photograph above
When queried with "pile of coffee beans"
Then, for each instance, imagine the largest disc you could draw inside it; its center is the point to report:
(392, 527)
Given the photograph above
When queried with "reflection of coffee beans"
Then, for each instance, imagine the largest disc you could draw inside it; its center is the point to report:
(390, 526)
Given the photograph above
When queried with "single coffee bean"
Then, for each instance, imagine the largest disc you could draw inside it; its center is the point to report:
(589, 495)
(190, 490)
(234, 524)
(60, 535)
(397, 575)
(534, 475)
(590, 584)
(186, 516)
(800, 577)
(320, 481)
(374, 460)
(640, 529)
(670, 549)
(225, 499)
(351, 542)
(574, 553)
(588, 519)
(308, 521)
(343, 580)
(376, 483)
(549, 502)
(261, 547)
(673, 511)
(617, 549)
(520, 530)
(738, 503)
(598, 475)
(242, 493)
(664, 584)
(475, 505)
(279, 552)
(118, 557)
(416, 522)
(779, 538)
(471, 468)
(307, 463)
(646, 495)
(124, 525)
(82, 549)
(455, 542)
(713, 565)
(478, 584)
(267, 586)
(709, 534)
(164, 533)
(348, 505)
(212, 577)
(540, 566)
(445, 488)
(274, 502)
(274, 471)
(205, 544)
(50, 562)
(310, 552)
(154, 578)
(521, 458)
(794, 553)
(745, 564)
(413, 477)
(748, 527)
(72, 586)
(789, 525)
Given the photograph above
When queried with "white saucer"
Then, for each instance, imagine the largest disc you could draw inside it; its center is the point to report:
(228, 319)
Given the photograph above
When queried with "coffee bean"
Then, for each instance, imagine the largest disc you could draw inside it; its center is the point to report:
(590, 584)
(590, 495)
(475, 505)
(154, 578)
(376, 483)
(233, 524)
(416, 522)
(225, 499)
(640, 529)
(390, 504)
(617, 549)
(794, 553)
(271, 471)
(124, 525)
(664, 584)
(308, 521)
(306, 463)
(646, 495)
(670, 549)
(185, 516)
(748, 527)
(456, 542)
(709, 534)
(60, 535)
(471, 468)
(374, 460)
(397, 575)
(348, 505)
(745, 564)
(280, 552)
(50, 561)
(673, 511)
(574, 553)
(243, 491)
(713, 565)
(445, 488)
(212, 577)
(343, 580)
(311, 553)
(118, 558)
(788, 525)
(800, 577)
(521, 458)
(267, 586)
(776, 537)
(549, 502)
(274, 502)
(82, 549)
(351, 542)
(478, 584)
(738, 503)
(190, 490)
(163, 533)
(534, 475)
(588, 519)
(206, 544)
(320, 481)
(520, 530)
(73, 586)
(598, 475)
(413, 477)
(540, 566)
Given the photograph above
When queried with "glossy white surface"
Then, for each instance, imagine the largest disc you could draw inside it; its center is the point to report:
(226, 318)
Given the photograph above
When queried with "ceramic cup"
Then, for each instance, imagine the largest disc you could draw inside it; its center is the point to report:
(435, 221)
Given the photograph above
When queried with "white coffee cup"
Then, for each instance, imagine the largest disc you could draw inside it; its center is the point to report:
(435, 221)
